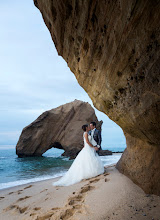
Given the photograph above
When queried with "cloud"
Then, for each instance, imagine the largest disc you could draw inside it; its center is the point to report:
(33, 77)
(10, 136)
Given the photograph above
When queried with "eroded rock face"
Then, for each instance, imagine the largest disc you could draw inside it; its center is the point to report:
(146, 172)
(113, 48)
(60, 128)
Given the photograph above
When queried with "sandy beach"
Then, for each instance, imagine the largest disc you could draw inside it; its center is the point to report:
(108, 196)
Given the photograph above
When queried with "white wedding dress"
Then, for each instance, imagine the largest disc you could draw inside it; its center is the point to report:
(87, 164)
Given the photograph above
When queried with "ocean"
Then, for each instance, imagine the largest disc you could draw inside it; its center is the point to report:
(16, 171)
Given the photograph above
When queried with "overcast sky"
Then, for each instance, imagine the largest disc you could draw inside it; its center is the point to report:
(33, 78)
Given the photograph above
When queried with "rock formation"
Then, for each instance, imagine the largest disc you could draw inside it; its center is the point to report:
(113, 49)
(59, 128)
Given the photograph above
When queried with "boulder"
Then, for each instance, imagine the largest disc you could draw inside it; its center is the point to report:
(59, 128)
(104, 152)
(113, 49)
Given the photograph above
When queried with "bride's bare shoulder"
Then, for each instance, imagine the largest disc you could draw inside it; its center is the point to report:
(84, 134)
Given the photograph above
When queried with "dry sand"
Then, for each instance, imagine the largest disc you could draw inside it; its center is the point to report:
(107, 196)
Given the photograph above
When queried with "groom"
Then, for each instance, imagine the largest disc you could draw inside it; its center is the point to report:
(96, 135)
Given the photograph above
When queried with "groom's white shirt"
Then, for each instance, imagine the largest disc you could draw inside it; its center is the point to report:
(92, 132)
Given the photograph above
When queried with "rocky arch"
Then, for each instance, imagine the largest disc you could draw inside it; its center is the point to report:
(57, 128)
(113, 48)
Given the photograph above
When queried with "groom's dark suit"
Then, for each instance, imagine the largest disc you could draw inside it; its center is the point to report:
(97, 137)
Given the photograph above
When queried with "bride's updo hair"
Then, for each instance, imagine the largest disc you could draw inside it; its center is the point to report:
(84, 127)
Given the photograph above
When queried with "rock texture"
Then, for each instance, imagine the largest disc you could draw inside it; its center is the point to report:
(142, 161)
(113, 48)
(59, 128)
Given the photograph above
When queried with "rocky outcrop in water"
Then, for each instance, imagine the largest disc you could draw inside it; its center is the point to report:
(59, 128)
(113, 48)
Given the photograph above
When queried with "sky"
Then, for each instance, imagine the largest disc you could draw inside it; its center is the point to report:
(33, 78)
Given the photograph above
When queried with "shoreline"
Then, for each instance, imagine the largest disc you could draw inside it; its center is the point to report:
(30, 181)
(50, 178)
(107, 196)
(18, 182)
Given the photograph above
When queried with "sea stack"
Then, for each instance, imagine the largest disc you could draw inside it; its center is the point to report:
(59, 128)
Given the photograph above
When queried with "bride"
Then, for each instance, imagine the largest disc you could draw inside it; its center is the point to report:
(87, 164)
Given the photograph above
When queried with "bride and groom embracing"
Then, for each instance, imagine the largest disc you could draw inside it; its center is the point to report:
(87, 164)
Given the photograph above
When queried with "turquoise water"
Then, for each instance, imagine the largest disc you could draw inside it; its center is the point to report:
(16, 171)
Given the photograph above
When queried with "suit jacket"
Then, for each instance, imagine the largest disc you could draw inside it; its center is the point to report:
(97, 137)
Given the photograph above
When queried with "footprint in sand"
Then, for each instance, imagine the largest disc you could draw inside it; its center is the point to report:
(74, 205)
(10, 207)
(47, 216)
(105, 174)
(55, 208)
(28, 186)
(75, 201)
(76, 198)
(79, 197)
(2, 197)
(21, 210)
(86, 188)
(37, 208)
(67, 214)
(21, 199)
(10, 193)
(94, 181)
(71, 202)
(44, 190)
(19, 191)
